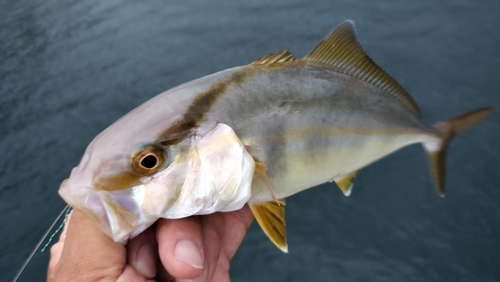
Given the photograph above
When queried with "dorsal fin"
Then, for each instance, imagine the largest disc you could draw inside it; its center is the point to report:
(278, 57)
(341, 51)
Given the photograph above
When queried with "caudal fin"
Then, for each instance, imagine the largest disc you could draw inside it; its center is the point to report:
(447, 130)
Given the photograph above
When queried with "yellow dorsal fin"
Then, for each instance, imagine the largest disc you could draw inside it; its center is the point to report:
(278, 57)
(345, 183)
(341, 51)
(271, 218)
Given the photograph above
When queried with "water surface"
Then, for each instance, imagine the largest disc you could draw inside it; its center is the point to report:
(68, 69)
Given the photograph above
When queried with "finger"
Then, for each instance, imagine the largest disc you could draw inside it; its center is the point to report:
(222, 271)
(130, 274)
(142, 253)
(88, 253)
(55, 256)
(180, 246)
(235, 229)
(212, 228)
(56, 249)
(236, 226)
(162, 274)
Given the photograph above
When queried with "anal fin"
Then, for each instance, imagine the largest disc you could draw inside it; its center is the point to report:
(345, 183)
(271, 218)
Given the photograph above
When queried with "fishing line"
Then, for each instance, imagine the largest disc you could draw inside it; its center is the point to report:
(66, 211)
(57, 230)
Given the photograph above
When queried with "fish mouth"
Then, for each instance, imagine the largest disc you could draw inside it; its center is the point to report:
(111, 217)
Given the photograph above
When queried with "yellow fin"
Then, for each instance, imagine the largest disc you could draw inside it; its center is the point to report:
(278, 57)
(345, 183)
(260, 179)
(271, 218)
(437, 161)
(341, 51)
(270, 215)
(447, 130)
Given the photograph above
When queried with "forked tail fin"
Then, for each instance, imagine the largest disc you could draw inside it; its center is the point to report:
(447, 130)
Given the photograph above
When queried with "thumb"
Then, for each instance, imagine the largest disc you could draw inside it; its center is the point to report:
(86, 254)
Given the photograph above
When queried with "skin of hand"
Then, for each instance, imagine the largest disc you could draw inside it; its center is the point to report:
(197, 248)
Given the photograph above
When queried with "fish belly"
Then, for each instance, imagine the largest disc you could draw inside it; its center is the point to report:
(332, 158)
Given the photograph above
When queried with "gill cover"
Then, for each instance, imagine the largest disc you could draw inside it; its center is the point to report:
(225, 167)
(210, 171)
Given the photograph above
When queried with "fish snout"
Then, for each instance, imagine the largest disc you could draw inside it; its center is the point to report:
(109, 216)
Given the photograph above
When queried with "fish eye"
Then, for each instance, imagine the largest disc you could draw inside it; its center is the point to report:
(148, 160)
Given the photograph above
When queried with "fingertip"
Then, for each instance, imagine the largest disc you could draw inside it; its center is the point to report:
(141, 253)
(187, 251)
(146, 263)
(180, 247)
(55, 257)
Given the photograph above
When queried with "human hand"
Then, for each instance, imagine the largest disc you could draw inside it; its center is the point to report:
(197, 248)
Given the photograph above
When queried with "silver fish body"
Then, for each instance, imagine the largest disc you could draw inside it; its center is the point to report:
(253, 134)
(309, 125)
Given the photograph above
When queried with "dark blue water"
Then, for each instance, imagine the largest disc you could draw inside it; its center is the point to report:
(68, 69)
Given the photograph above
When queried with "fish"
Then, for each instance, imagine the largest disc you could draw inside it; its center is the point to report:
(254, 134)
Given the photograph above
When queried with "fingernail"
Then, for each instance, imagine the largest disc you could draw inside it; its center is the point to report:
(145, 261)
(189, 253)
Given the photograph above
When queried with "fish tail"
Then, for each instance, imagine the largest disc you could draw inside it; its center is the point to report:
(446, 130)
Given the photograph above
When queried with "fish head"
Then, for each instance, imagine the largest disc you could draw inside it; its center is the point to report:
(124, 187)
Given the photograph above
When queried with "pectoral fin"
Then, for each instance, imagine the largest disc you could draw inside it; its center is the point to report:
(260, 181)
(270, 215)
(271, 218)
(345, 183)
